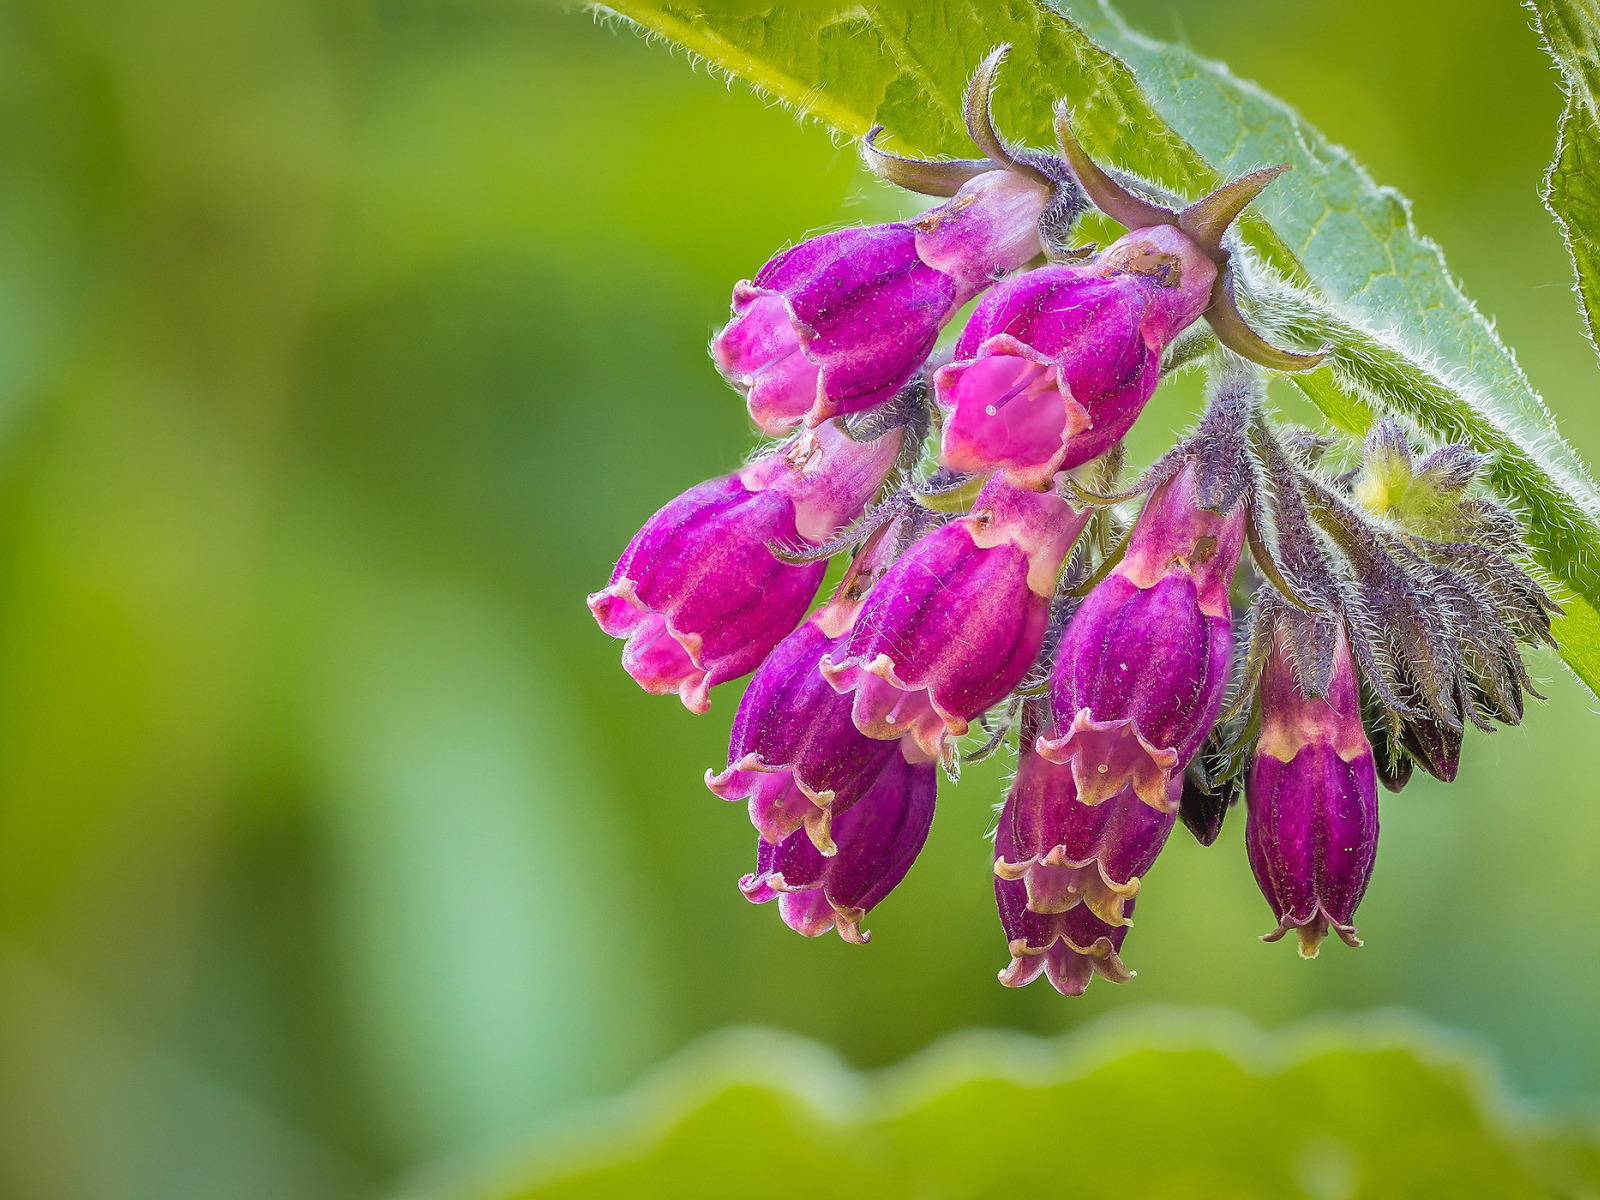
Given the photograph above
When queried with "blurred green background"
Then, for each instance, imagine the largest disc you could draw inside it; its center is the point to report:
(342, 347)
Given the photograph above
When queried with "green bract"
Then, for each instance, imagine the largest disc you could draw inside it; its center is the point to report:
(1335, 262)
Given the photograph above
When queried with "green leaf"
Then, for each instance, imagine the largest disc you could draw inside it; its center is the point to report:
(1334, 257)
(1571, 32)
(1161, 1105)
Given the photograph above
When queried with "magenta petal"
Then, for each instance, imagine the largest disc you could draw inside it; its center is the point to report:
(1312, 829)
(1140, 676)
(862, 312)
(700, 596)
(829, 477)
(954, 624)
(883, 706)
(794, 754)
(1144, 663)
(1312, 836)
(776, 802)
(1050, 372)
(1065, 851)
(1100, 326)
(702, 573)
(1007, 411)
(1107, 758)
(1069, 948)
(878, 839)
(809, 914)
(951, 620)
(759, 352)
(1174, 533)
(660, 665)
(990, 227)
(842, 322)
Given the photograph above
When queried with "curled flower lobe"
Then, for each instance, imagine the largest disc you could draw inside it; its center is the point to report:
(877, 839)
(1067, 948)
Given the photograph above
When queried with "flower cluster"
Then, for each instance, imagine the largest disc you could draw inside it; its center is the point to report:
(1260, 626)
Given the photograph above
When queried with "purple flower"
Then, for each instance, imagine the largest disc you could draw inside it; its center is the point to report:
(842, 322)
(1069, 948)
(1064, 851)
(699, 594)
(878, 839)
(1055, 365)
(955, 623)
(1144, 663)
(1312, 797)
(795, 755)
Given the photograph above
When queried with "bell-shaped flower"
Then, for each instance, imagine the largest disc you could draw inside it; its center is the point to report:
(1066, 852)
(955, 622)
(1069, 948)
(1143, 664)
(1056, 364)
(699, 594)
(1312, 800)
(878, 839)
(795, 756)
(841, 322)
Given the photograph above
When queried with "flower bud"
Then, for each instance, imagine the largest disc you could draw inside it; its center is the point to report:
(955, 623)
(878, 839)
(1144, 662)
(1436, 746)
(842, 322)
(1312, 800)
(698, 593)
(1068, 948)
(1064, 851)
(1055, 365)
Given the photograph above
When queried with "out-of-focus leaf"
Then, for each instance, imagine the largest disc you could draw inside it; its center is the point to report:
(1571, 32)
(1334, 252)
(454, 799)
(1156, 1106)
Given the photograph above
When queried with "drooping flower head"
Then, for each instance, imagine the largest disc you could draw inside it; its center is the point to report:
(955, 623)
(699, 593)
(1312, 798)
(1388, 611)
(1428, 587)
